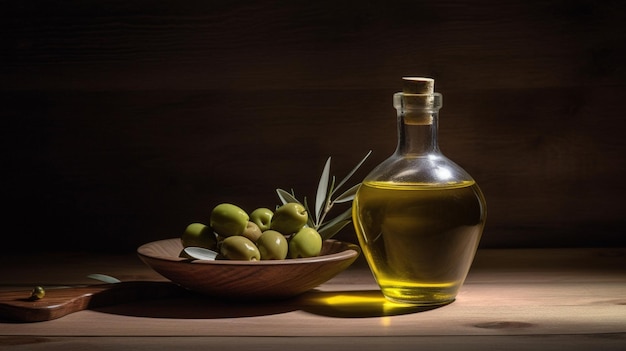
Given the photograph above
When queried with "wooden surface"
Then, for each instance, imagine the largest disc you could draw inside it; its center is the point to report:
(540, 299)
(129, 120)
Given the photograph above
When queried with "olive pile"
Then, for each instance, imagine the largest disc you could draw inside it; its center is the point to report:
(261, 235)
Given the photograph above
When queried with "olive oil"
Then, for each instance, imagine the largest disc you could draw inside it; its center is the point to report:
(419, 238)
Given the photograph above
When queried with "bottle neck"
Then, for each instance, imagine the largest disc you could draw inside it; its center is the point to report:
(418, 116)
(417, 139)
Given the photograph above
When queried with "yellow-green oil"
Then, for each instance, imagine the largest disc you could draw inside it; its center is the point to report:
(419, 239)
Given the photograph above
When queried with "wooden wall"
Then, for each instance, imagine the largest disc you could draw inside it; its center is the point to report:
(123, 121)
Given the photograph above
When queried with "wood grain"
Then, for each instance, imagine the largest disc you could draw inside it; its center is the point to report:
(129, 120)
(544, 299)
(608, 342)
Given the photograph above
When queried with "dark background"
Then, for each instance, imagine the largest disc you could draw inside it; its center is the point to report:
(124, 121)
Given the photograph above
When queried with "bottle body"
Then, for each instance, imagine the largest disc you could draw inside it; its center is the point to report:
(418, 215)
(419, 239)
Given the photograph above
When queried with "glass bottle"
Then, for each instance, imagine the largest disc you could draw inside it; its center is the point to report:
(418, 215)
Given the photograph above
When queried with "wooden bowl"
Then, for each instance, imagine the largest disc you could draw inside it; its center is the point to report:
(248, 280)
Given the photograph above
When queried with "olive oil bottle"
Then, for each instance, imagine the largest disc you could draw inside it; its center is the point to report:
(418, 215)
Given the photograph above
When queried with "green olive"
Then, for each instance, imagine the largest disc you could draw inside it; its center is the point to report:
(238, 247)
(228, 219)
(289, 218)
(252, 232)
(37, 293)
(200, 235)
(272, 245)
(262, 217)
(307, 242)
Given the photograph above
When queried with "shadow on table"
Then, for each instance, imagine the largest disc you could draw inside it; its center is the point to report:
(339, 304)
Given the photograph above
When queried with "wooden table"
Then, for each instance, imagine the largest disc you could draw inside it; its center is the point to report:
(522, 299)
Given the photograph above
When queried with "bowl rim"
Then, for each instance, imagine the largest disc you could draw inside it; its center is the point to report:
(350, 251)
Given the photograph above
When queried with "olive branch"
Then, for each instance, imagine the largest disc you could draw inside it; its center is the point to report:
(324, 201)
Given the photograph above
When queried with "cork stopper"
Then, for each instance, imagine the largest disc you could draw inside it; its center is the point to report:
(417, 95)
(418, 85)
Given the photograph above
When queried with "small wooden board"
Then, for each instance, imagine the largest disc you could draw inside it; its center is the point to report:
(18, 306)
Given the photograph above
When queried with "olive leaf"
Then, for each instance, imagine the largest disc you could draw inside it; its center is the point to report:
(286, 197)
(348, 195)
(324, 201)
(344, 180)
(322, 191)
(104, 278)
(332, 227)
